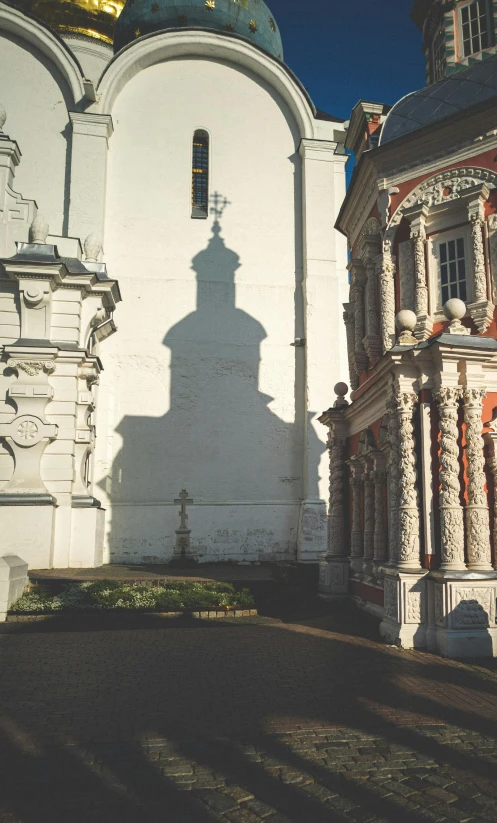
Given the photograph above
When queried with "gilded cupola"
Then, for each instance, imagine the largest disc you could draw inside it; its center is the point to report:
(87, 18)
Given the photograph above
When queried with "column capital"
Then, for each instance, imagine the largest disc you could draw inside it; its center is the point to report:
(320, 150)
(89, 123)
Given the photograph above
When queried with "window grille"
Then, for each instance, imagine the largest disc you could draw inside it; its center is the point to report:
(200, 174)
(452, 260)
(475, 32)
(438, 55)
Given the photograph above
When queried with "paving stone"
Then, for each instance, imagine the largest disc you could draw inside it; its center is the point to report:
(441, 795)
(260, 809)
(217, 801)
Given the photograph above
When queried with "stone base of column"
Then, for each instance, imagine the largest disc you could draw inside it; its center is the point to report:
(13, 581)
(333, 578)
(405, 612)
(27, 529)
(313, 531)
(462, 614)
(182, 555)
(87, 536)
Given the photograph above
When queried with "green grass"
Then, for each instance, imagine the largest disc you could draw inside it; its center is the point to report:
(111, 594)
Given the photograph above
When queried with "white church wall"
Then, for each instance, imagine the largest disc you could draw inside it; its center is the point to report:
(37, 104)
(92, 55)
(203, 395)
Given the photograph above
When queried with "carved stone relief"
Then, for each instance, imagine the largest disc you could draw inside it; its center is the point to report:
(385, 269)
(451, 513)
(472, 608)
(492, 229)
(477, 515)
(407, 276)
(408, 502)
(444, 187)
(336, 518)
(390, 603)
(439, 606)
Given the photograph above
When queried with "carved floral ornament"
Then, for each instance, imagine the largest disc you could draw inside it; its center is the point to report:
(31, 367)
(443, 188)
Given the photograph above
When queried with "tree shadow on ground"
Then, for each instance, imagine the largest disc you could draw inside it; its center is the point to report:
(152, 724)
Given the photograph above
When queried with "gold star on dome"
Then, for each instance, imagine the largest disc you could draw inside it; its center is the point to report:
(272, 24)
(137, 33)
(253, 26)
(210, 4)
(155, 8)
(229, 27)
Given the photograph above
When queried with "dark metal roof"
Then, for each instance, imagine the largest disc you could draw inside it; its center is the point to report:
(466, 88)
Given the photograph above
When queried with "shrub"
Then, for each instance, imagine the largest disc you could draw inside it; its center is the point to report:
(112, 594)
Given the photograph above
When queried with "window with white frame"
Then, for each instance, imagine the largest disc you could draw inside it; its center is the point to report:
(475, 30)
(438, 55)
(451, 255)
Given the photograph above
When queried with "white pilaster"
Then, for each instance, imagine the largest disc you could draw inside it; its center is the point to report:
(90, 136)
(325, 287)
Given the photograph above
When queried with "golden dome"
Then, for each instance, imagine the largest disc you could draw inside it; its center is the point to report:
(90, 18)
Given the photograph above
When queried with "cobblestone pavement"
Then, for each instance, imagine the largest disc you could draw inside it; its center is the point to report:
(245, 721)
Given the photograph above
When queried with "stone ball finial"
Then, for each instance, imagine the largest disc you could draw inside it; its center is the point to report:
(3, 117)
(406, 321)
(39, 229)
(341, 390)
(454, 309)
(92, 247)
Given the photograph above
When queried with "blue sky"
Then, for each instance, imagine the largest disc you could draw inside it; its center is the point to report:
(345, 50)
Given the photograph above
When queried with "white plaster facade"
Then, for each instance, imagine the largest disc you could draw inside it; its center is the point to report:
(202, 387)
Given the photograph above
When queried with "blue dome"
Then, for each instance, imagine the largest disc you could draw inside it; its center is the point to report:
(455, 93)
(250, 19)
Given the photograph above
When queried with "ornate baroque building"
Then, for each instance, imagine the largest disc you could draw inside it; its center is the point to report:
(174, 137)
(413, 517)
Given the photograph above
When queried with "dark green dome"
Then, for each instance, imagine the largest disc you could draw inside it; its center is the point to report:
(250, 19)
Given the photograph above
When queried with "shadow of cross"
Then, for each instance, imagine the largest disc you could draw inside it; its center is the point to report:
(183, 501)
(182, 547)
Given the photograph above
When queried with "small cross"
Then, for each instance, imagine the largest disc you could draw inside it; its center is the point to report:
(183, 500)
(219, 204)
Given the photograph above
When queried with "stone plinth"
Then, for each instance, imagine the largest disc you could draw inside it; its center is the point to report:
(13, 581)
(462, 614)
(405, 615)
(333, 578)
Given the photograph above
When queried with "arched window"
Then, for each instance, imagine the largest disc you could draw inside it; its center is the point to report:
(200, 174)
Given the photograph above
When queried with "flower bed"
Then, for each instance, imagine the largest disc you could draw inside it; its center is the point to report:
(106, 595)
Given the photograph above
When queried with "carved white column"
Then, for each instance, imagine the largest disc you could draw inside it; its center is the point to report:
(372, 339)
(334, 567)
(357, 536)
(477, 515)
(408, 547)
(337, 445)
(393, 484)
(379, 515)
(491, 440)
(28, 433)
(385, 270)
(369, 520)
(482, 308)
(479, 273)
(349, 320)
(424, 325)
(451, 512)
(358, 281)
(492, 241)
